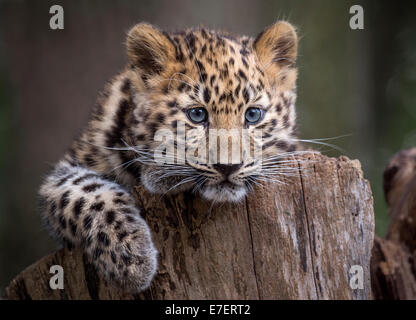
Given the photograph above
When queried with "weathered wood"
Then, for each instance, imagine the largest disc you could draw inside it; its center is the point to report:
(400, 188)
(80, 280)
(392, 270)
(291, 240)
(393, 263)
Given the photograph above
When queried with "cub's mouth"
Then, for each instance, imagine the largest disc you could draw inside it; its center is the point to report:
(226, 184)
(209, 185)
(223, 191)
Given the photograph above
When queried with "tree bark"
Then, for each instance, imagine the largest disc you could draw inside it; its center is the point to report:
(296, 239)
(394, 258)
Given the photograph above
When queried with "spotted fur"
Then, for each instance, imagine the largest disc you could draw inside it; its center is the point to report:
(85, 198)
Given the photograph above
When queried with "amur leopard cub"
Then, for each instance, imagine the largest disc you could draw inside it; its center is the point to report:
(197, 78)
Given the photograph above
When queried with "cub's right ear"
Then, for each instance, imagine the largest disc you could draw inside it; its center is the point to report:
(149, 49)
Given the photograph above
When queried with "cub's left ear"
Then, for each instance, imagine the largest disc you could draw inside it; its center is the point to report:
(276, 49)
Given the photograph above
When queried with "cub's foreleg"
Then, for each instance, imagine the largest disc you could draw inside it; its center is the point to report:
(83, 209)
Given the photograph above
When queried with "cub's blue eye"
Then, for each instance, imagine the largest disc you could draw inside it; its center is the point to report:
(253, 115)
(197, 115)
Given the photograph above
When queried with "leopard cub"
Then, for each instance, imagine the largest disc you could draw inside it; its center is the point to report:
(199, 78)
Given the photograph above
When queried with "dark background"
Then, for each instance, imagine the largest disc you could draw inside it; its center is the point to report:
(356, 82)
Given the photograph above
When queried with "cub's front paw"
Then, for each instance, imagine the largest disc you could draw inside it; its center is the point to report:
(123, 250)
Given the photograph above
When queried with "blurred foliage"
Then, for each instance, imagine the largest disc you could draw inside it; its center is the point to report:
(359, 83)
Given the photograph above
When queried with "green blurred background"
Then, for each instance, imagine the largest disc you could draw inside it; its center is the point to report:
(352, 82)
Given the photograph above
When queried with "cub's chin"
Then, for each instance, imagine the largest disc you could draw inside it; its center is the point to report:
(223, 192)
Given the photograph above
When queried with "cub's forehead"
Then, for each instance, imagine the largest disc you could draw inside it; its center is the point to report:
(219, 67)
(215, 51)
(209, 41)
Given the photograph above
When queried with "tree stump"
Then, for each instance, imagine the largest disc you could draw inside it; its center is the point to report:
(293, 240)
(394, 258)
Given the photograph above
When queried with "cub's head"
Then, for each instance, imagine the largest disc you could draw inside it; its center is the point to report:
(212, 112)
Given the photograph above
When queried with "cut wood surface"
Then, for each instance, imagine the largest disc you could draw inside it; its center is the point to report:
(293, 240)
(394, 258)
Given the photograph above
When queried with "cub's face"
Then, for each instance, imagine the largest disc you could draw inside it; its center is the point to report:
(212, 113)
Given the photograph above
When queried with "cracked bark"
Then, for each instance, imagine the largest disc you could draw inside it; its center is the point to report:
(291, 240)
(394, 258)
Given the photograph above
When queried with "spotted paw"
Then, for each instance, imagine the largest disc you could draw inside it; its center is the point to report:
(123, 250)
